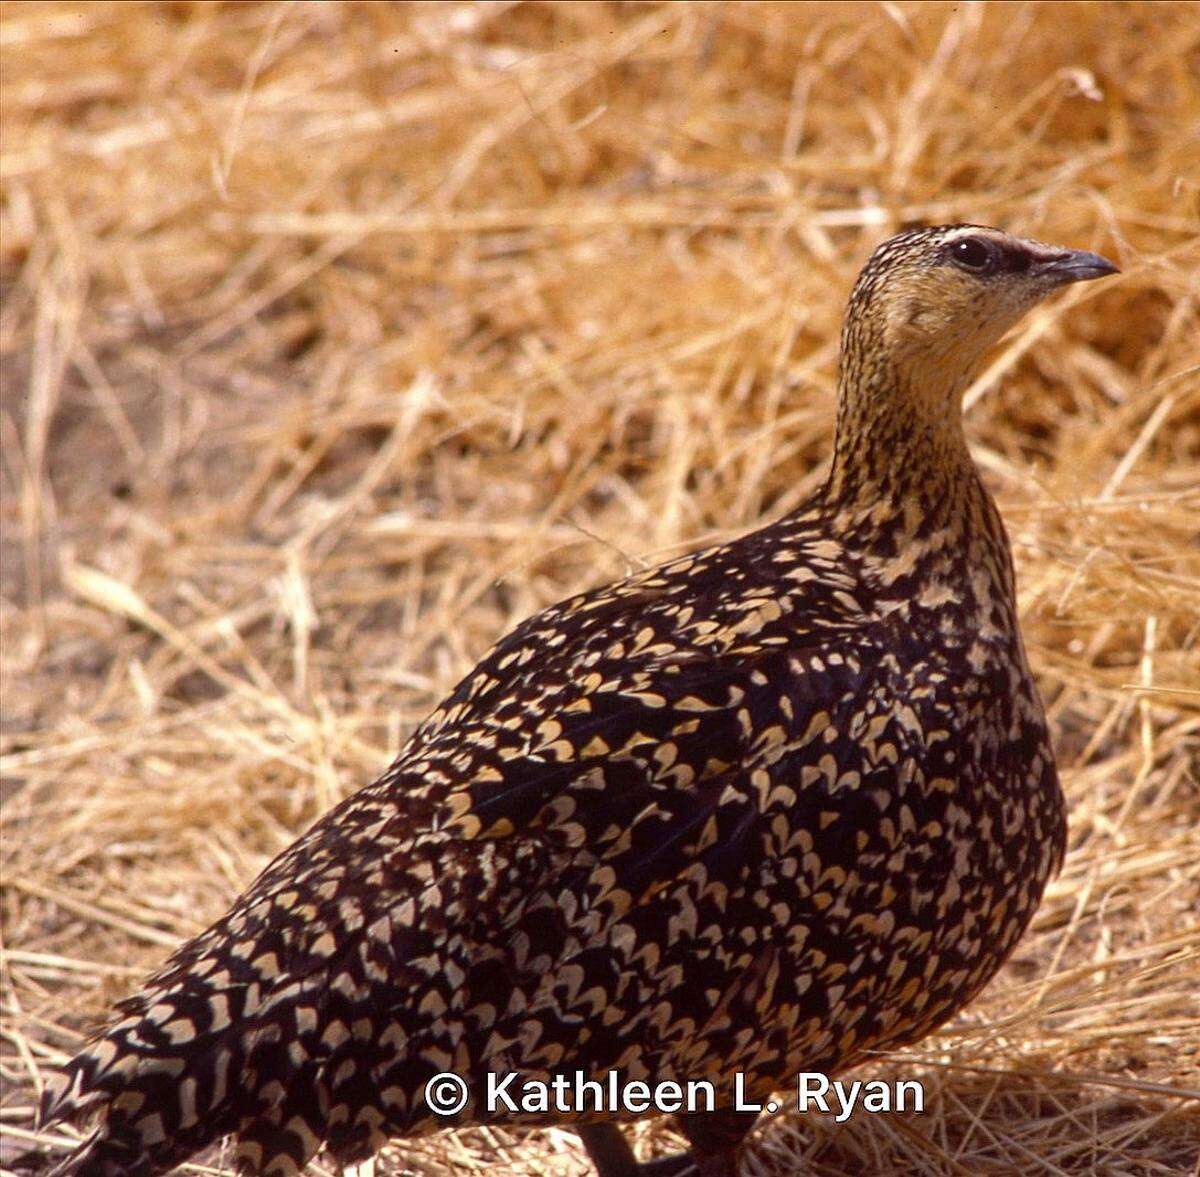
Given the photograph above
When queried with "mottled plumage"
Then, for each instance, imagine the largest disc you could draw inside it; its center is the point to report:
(765, 808)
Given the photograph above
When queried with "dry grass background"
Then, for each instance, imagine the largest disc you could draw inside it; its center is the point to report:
(337, 338)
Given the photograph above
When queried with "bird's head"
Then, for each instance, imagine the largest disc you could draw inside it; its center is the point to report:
(936, 299)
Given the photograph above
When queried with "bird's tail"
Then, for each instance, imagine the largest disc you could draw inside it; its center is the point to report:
(217, 1042)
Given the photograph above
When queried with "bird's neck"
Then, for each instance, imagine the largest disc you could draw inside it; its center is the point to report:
(904, 496)
(901, 462)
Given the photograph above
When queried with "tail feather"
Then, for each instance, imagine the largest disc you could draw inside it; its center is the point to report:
(151, 1112)
(265, 1026)
(96, 1157)
(217, 1042)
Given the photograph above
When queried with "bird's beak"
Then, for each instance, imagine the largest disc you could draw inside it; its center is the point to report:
(1076, 265)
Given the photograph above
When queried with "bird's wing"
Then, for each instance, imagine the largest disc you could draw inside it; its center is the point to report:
(642, 816)
(596, 754)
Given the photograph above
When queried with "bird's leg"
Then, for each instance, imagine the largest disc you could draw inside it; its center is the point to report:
(715, 1138)
(612, 1156)
(609, 1150)
(716, 1132)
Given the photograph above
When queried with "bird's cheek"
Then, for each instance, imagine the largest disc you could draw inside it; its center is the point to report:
(919, 317)
(910, 330)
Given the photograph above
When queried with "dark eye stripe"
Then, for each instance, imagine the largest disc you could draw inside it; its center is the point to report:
(979, 256)
(1016, 260)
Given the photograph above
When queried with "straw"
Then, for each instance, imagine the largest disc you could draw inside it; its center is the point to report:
(336, 339)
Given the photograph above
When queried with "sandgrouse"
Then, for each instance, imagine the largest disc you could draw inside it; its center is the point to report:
(767, 808)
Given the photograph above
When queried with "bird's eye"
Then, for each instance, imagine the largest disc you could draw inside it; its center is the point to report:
(971, 253)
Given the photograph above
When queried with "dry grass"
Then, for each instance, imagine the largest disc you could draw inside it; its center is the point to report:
(338, 338)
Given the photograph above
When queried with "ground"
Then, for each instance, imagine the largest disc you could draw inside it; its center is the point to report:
(338, 338)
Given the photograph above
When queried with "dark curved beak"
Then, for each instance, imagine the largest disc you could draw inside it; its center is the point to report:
(1076, 265)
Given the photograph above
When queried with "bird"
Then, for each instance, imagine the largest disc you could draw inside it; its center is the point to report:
(770, 807)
